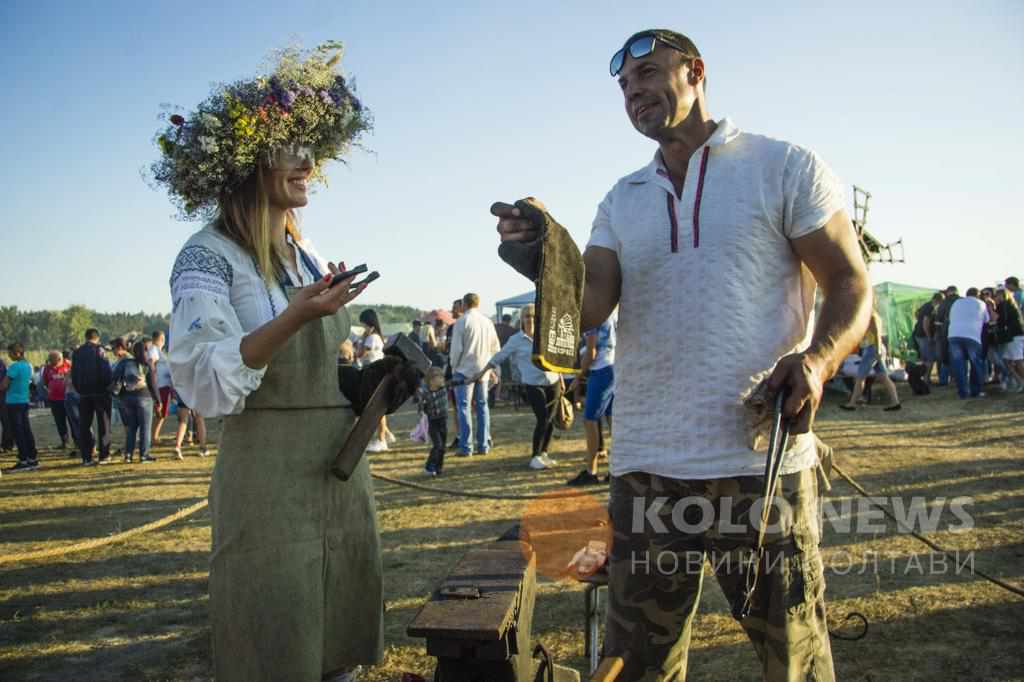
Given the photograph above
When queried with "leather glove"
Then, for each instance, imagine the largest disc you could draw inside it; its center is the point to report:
(524, 257)
(358, 385)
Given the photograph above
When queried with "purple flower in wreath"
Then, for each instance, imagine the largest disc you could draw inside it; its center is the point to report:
(287, 99)
(326, 97)
(307, 91)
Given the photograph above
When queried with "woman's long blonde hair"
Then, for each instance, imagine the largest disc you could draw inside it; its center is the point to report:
(244, 216)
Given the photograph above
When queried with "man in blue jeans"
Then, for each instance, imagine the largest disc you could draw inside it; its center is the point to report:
(967, 318)
(6, 428)
(474, 341)
(597, 364)
(19, 375)
(91, 375)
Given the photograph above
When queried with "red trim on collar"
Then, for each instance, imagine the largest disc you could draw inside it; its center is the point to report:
(674, 236)
(700, 194)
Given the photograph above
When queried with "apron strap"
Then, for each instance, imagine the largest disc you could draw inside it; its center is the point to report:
(307, 261)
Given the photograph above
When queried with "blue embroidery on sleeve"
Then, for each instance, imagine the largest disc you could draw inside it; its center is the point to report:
(201, 260)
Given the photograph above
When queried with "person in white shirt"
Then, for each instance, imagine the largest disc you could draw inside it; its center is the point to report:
(296, 588)
(158, 361)
(967, 318)
(543, 389)
(474, 341)
(371, 349)
(677, 245)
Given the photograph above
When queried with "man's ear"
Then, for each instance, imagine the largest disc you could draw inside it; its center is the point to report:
(696, 71)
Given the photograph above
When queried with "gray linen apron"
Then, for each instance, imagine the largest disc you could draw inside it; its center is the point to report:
(295, 573)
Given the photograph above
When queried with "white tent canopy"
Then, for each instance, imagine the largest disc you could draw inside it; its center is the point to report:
(515, 302)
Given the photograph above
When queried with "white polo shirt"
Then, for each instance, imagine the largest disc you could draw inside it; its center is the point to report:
(474, 343)
(967, 317)
(712, 297)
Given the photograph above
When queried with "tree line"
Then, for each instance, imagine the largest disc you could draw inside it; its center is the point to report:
(60, 329)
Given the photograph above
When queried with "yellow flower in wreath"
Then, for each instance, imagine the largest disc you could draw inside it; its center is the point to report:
(235, 108)
(245, 126)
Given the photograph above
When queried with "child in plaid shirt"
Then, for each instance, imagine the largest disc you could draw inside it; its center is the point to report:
(433, 397)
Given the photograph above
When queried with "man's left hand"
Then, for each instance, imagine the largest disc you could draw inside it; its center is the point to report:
(803, 375)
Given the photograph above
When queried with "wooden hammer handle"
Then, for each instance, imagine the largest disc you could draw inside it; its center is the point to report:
(361, 434)
(608, 670)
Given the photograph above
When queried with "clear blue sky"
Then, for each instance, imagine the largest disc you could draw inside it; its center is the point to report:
(921, 103)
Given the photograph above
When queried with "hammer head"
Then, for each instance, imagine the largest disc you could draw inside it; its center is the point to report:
(410, 352)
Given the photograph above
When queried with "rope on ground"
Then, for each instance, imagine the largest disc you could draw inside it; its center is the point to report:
(188, 511)
(856, 486)
(483, 496)
(110, 539)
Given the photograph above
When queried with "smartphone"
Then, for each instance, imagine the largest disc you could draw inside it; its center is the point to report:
(338, 278)
(366, 280)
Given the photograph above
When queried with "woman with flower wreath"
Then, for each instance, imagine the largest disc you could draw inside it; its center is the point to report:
(295, 570)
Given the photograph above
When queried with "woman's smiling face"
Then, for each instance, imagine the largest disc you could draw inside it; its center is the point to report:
(287, 182)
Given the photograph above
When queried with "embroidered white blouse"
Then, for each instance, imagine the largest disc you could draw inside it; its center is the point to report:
(218, 297)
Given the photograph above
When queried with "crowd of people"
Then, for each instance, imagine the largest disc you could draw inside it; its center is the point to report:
(88, 389)
(977, 339)
(128, 381)
(472, 357)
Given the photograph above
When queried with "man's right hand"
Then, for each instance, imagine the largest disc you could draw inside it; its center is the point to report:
(521, 227)
(513, 226)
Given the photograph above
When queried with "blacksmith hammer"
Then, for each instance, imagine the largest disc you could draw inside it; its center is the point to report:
(608, 671)
(376, 407)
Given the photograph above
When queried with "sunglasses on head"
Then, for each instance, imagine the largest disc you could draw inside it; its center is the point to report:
(291, 156)
(638, 48)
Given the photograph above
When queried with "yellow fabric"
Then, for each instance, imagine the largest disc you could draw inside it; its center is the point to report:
(541, 362)
(871, 338)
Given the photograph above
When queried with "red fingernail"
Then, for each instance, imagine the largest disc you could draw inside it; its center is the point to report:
(343, 268)
(327, 277)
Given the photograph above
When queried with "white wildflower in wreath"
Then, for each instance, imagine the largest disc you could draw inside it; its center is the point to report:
(214, 149)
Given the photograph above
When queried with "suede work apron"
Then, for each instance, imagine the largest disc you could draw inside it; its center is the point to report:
(295, 573)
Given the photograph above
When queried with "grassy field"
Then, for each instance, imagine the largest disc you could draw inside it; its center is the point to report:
(138, 609)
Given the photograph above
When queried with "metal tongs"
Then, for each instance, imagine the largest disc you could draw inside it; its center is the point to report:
(777, 443)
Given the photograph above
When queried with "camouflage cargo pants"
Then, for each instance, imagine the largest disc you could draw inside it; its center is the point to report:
(666, 530)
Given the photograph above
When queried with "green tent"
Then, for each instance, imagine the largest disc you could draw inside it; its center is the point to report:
(896, 305)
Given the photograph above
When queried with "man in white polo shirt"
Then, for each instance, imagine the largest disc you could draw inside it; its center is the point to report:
(967, 319)
(474, 341)
(679, 245)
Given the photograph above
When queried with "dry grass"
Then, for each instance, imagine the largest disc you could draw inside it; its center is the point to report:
(137, 610)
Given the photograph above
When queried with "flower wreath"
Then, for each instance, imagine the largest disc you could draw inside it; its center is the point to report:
(215, 148)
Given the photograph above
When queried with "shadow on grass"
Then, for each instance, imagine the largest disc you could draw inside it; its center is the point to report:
(964, 471)
(158, 651)
(87, 610)
(122, 567)
(28, 485)
(864, 574)
(66, 523)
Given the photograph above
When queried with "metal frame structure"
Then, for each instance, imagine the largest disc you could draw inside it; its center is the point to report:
(874, 250)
